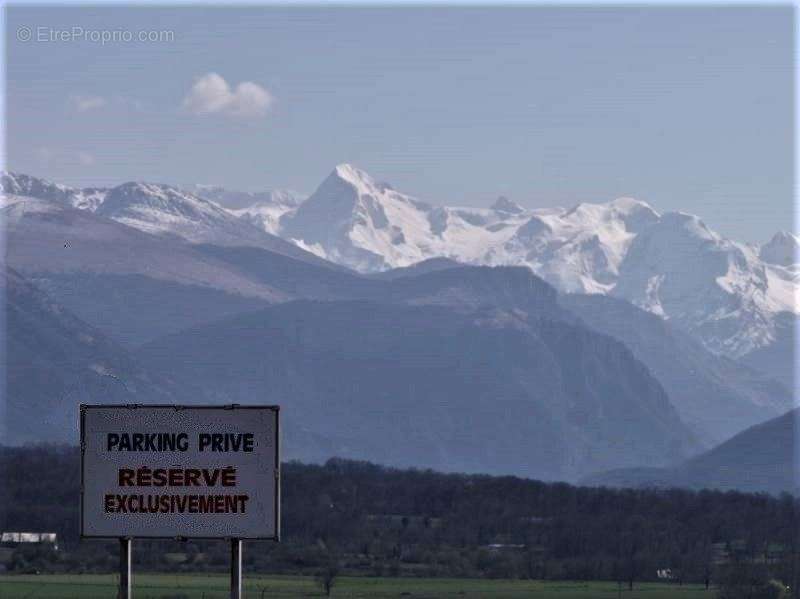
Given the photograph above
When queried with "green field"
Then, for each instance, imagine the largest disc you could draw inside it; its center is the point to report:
(163, 586)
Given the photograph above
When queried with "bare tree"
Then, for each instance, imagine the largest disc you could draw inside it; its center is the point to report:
(326, 577)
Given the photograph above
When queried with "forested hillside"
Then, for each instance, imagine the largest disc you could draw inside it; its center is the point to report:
(375, 520)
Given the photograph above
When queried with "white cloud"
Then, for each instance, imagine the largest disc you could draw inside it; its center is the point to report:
(211, 94)
(86, 103)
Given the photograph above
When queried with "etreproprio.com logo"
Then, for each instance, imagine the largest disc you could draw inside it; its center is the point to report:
(94, 36)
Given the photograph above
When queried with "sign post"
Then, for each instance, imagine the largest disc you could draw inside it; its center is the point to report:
(125, 571)
(167, 472)
(236, 569)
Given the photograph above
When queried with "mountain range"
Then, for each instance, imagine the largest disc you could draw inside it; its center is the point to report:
(764, 458)
(431, 387)
(735, 298)
(421, 382)
(599, 337)
(728, 294)
(154, 208)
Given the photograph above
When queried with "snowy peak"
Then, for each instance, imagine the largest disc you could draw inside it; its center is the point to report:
(718, 289)
(627, 205)
(783, 249)
(283, 197)
(729, 294)
(358, 222)
(156, 209)
(355, 176)
(503, 205)
(241, 200)
(341, 191)
(268, 213)
(636, 214)
(671, 264)
(157, 205)
(263, 209)
(630, 214)
(360, 180)
(24, 185)
(354, 220)
(351, 190)
(362, 187)
(688, 225)
(164, 210)
(580, 249)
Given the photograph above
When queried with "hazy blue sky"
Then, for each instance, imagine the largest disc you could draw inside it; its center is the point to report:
(687, 108)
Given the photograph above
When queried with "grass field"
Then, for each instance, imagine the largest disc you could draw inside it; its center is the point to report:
(164, 586)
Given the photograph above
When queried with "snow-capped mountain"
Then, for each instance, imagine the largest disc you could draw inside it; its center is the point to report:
(263, 209)
(783, 249)
(366, 225)
(578, 250)
(353, 220)
(238, 200)
(729, 294)
(268, 213)
(125, 264)
(166, 210)
(717, 288)
(161, 209)
(670, 264)
(46, 238)
(25, 185)
(156, 209)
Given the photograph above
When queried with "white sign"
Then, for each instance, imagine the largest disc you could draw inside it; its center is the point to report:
(180, 471)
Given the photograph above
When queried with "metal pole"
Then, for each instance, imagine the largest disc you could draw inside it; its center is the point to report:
(236, 569)
(125, 569)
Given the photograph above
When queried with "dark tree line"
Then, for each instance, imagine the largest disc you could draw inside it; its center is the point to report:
(368, 519)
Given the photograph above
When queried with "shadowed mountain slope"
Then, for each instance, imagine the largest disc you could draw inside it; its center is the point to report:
(423, 385)
(718, 396)
(764, 458)
(53, 362)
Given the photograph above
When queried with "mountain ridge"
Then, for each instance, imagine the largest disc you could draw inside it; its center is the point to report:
(471, 391)
(762, 459)
(671, 264)
(729, 295)
(53, 361)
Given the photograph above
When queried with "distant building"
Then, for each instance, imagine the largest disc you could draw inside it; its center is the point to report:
(665, 574)
(12, 539)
